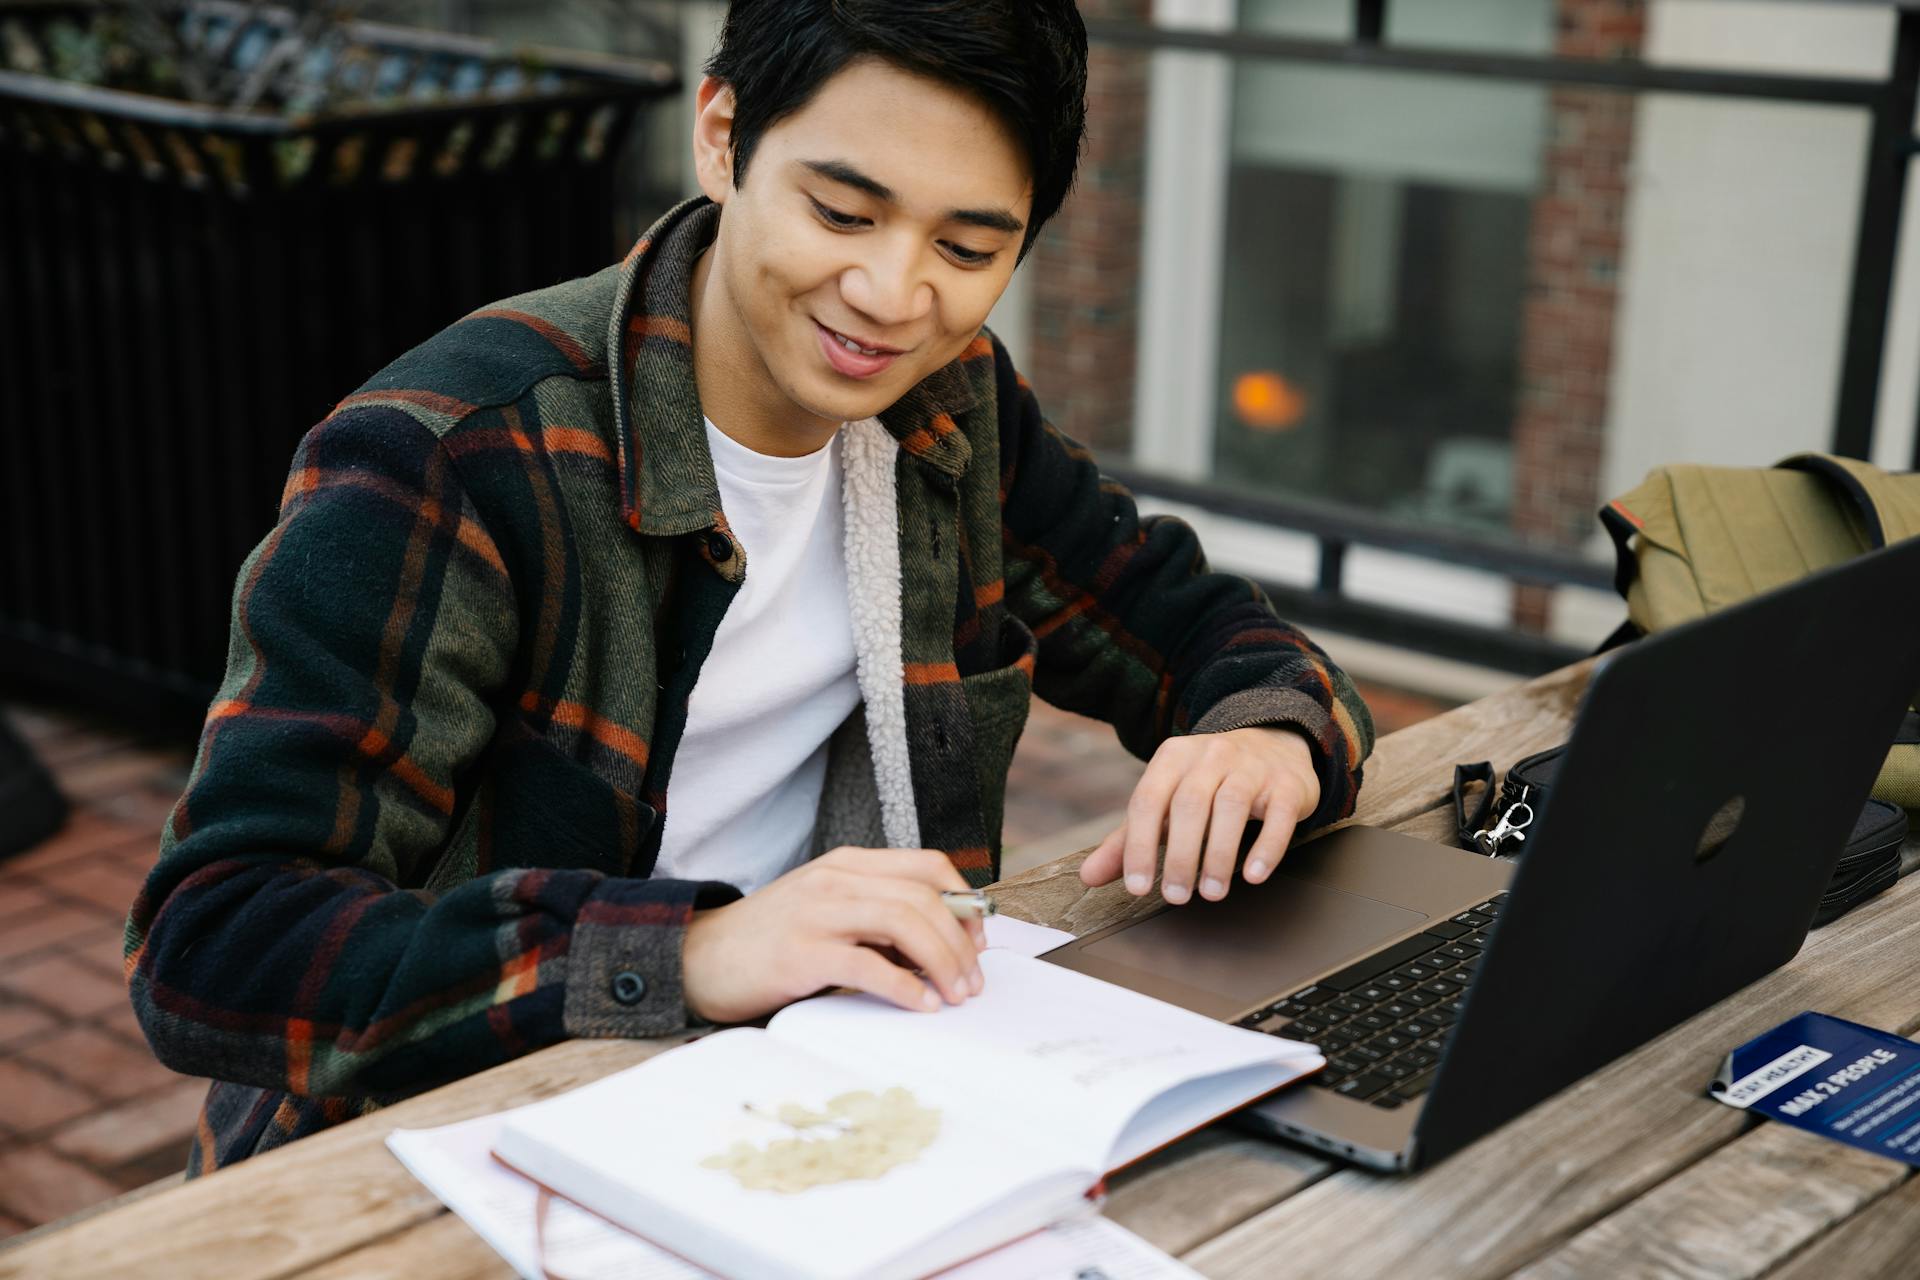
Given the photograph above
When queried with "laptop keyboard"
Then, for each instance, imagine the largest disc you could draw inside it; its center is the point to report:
(1383, 1020)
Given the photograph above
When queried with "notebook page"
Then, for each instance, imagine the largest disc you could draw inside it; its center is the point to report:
(455, 1162)
(1025, 937)
(753, 1157)
(1053, 1053)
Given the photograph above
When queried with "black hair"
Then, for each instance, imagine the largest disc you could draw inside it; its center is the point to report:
(1026, 60)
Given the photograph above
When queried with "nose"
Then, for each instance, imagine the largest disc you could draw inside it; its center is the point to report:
(888, 284)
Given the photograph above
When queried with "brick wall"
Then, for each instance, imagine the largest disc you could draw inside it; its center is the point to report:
(1566, 346)
(1086, 267)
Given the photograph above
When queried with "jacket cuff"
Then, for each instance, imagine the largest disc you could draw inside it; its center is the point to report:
(623, 965)
(1291, 709)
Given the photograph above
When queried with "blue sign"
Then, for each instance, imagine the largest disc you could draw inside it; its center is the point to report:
(1839, 1079)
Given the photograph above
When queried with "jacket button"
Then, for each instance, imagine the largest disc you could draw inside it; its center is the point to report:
(629, 987)
(720, 547)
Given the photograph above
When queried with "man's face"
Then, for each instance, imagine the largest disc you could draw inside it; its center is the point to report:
(887, 214)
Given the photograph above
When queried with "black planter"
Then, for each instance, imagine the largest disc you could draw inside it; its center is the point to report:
(185, 290)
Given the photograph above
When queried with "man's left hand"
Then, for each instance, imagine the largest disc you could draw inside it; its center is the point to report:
(1199, 792)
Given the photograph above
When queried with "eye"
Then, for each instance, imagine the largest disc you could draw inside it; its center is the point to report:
(968, 257)
(834, 218)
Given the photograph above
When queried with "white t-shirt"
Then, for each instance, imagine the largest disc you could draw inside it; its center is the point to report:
(746, 781)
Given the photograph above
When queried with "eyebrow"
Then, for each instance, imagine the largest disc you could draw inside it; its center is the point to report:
(846, 175)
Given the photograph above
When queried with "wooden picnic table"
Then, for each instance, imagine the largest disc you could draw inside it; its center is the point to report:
(1633, 1171)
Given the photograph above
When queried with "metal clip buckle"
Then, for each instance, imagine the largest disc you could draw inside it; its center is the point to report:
(1510, 826)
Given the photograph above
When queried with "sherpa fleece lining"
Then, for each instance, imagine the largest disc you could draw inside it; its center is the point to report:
(873, 595)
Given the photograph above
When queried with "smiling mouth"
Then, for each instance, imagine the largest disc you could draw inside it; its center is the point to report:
(855, 347)
(850, 344)
(851, 358)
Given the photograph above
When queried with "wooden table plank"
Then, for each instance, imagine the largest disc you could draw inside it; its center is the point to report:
(1581, 1155)
(1200, 1186)
(289, 1210)
(442, 1247)
(1734, 1214)
(1878, 1243)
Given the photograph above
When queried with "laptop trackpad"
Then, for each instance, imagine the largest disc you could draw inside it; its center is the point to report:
(1262, 940)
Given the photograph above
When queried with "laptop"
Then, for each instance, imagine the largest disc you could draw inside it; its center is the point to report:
(1713, 776)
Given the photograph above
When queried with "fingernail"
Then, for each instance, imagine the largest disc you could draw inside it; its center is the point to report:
(1256, 871)
(1138, 884)
(979, 982)
(1211, 888)
(1176, 893)
(929, 1001)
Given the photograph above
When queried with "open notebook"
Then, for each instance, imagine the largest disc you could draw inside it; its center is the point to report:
(456, 1163)
(852, 1140)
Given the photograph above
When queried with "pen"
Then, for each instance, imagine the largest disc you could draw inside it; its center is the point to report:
(969, 904)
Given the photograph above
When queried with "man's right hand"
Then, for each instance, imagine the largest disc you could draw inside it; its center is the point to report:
(823, 925)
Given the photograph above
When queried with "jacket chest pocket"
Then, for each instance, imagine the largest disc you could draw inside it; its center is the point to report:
(549, 810)
(997, 703)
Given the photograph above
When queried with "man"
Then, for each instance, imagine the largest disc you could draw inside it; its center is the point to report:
(652, 648)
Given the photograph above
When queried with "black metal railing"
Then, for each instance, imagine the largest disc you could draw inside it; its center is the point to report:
(1337, 528)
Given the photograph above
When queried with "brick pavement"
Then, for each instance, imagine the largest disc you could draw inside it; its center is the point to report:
(86, 1112)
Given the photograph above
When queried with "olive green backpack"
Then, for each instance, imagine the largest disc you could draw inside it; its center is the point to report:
(1692, 539)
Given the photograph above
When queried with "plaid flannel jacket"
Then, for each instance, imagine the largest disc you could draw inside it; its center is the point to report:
(427, 799)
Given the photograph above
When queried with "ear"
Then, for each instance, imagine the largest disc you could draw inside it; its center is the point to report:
(713, 138)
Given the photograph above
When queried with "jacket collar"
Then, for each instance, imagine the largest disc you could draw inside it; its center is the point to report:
(666, 471)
